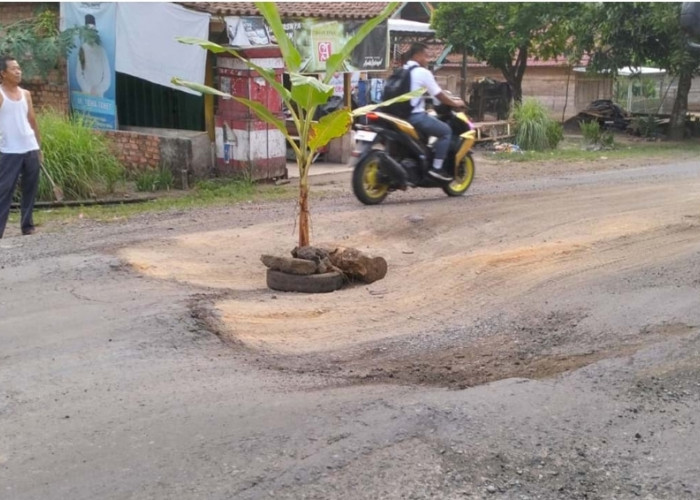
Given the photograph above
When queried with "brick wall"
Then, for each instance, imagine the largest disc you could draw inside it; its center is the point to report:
(136, 151)
(49, 95)
(11, 12)
(53, 91)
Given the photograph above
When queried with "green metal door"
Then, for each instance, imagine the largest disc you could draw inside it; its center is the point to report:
(144, 104)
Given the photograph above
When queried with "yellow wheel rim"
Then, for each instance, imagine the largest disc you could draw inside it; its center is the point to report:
(464, 174)
(370, 180)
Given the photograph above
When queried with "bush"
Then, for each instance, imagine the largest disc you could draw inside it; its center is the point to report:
(594, 137)
(645, 126)
(535, 130)
(77, 158)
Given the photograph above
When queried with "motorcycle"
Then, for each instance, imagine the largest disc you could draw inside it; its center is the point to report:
(398, 156)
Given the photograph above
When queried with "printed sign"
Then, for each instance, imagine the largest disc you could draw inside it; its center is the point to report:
(91, 76)
(317, 40)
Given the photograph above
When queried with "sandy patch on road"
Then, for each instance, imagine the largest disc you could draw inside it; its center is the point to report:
(450, 261)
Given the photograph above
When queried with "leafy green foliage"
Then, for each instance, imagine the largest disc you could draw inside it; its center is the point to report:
(645, 126)
(308, 92)
(594, 137)
(335, 61)
(290, 54)
(633, 34)
(306, 95)
(638, 34)
(38, 45)
(77, 158)
(535, 130)
(329, 127)
(505, 34)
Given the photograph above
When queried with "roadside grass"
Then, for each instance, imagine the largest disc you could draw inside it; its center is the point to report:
(77, 159)
(205, 194)
(625, 148)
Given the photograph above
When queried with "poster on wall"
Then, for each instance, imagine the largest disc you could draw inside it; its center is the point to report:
(338, 84)
(91, 74)
(316, 40)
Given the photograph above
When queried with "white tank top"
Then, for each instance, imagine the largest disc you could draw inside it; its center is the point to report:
(17, 136)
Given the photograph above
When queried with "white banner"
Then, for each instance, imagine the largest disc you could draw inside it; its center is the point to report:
(146, 45)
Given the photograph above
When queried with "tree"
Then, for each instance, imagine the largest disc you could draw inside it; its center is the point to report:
(306, 95)
(640, 34)
(37, 43)
(504, 35)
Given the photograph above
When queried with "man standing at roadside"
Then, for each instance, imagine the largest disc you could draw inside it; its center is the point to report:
(20, 154)
(419, 58)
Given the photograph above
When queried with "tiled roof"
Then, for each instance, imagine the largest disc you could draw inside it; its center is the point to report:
(326, 10)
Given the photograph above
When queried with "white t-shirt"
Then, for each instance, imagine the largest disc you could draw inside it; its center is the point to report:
(421, 77)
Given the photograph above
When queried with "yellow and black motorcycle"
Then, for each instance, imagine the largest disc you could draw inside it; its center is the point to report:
(397, 156)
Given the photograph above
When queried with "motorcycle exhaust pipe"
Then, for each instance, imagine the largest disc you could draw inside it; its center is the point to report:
(394, 169)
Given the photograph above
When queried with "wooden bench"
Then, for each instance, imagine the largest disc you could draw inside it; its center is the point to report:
(491, 131)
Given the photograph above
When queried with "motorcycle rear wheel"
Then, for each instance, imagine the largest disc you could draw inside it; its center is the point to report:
(464, 175)
(366, 182)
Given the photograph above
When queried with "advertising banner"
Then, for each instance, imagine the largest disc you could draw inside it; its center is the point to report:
(91, 76)
(316, 40)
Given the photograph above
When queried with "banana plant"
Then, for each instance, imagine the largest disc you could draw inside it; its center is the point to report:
(306, 95)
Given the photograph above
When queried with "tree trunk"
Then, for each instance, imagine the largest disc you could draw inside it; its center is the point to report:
(304, 239)
(517, 91)
(519, 72)
(463, 76)
(515, 87)
(566, 96)
(680, 105)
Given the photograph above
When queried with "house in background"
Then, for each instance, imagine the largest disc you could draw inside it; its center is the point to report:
(162, 127)
(554, 83)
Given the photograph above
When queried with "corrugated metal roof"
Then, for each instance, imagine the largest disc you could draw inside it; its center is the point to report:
(325, 10)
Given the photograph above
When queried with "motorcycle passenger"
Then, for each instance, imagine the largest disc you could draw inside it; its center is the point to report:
(422, 121)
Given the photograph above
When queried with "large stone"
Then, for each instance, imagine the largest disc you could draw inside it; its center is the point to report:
(290, 265)
(317, 255)
(358, 266)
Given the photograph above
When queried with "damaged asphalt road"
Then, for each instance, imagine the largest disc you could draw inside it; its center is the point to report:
(572, 373)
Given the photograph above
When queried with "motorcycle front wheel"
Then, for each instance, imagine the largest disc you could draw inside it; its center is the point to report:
(464, 175)
(366, 183)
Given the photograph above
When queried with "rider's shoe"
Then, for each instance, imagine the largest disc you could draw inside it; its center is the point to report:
(439, 175)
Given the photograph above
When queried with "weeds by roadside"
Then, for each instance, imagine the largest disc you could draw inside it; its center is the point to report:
(534, 128)
(595, 138)
(154, 180)
(570, 150)
(78, 159)
(217, 192)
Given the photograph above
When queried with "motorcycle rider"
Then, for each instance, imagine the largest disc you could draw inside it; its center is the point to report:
(422, 121)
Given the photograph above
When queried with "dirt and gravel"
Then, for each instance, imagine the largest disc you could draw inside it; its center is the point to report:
(537, 338)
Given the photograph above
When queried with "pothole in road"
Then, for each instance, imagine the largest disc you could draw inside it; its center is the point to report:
(501, 357)
(551, 347)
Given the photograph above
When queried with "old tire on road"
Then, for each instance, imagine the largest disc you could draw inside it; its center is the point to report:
(311, 283)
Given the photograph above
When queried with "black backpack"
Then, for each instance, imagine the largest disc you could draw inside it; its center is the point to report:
(398, 84)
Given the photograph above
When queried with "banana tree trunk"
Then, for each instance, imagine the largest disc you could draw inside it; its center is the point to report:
(304, 217)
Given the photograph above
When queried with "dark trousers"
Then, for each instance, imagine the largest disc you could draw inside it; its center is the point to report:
(431, 126)
(11, 167)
